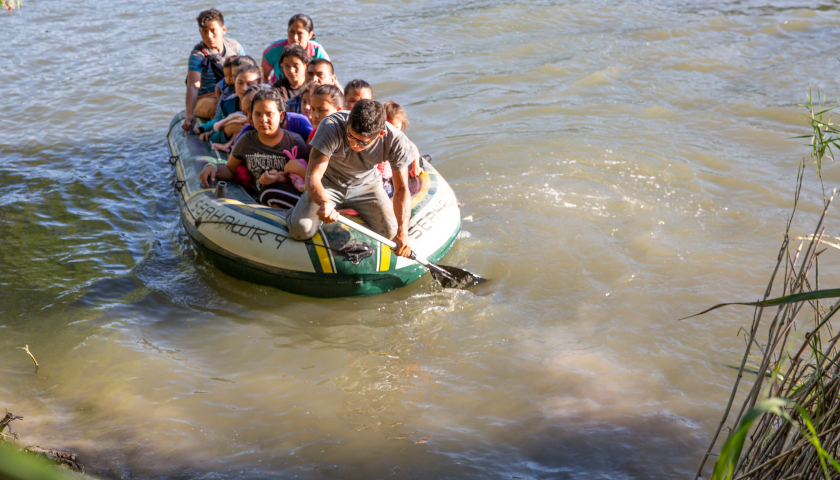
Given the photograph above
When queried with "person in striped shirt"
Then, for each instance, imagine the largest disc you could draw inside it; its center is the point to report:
(205, 67)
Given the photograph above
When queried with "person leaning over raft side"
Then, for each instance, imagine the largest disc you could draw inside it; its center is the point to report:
(342, 174)
(205, 65)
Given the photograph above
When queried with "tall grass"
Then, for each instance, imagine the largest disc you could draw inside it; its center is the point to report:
(788, 425)
(11, 5)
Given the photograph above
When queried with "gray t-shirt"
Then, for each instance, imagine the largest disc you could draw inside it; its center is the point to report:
(260, 157)
(352, 169)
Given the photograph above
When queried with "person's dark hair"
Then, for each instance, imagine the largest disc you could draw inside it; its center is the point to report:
(295, 51)
(305, 20)
(204, 18)
(357, 84)
(394, 111)
(367, 118)
(321, 61)
(231, 61)
(332, 93)
(240, 60)
(308, 87)
(256, 88)
(248, 69)
(269, 95)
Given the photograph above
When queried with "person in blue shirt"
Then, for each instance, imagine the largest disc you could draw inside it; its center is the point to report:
(226, 123)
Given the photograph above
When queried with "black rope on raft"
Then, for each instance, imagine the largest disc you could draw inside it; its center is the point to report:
(179, 187)
(173, 159)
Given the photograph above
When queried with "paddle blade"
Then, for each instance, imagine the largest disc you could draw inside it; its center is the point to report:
(452, 277)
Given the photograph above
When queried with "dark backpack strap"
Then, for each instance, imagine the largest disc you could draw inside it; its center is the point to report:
(214, 63)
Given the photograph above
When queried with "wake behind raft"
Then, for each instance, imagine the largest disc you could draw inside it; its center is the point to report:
(250, 241)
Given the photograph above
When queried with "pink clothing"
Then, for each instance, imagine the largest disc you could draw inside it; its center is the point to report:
(385, 169)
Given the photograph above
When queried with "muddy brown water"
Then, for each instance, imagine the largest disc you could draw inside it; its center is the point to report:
(620, 165)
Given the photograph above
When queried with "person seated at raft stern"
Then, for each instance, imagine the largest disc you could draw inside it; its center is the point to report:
(205, 66)
(397, 116)
(342, 174)
(268, 153)
(320, 71)
(294, 61)
(356, 89)
(229, 119)
(301, 32)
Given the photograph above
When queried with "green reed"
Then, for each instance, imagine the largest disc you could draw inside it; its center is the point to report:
(11, 5)
(824, 134)
(788, 426)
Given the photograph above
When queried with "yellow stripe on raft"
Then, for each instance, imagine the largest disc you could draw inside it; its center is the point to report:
(323, 255)
(425, 182)
(385, 258)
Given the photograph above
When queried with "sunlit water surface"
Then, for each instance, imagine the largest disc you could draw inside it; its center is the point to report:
(620, 165)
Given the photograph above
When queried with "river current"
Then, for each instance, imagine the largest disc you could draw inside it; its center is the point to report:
(620, 165)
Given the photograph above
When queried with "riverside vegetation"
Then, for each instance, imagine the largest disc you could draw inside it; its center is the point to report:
(793, 408)
(11, 5)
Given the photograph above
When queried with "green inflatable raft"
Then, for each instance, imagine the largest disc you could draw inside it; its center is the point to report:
(250, 241)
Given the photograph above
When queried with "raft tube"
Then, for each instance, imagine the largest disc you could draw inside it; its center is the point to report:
(250, 241)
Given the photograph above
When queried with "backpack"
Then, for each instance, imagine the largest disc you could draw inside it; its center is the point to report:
(211, 61)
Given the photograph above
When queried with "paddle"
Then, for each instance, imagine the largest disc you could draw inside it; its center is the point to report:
(446, 276)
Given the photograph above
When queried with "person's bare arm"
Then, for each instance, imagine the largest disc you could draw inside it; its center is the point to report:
(402, 210)
(193, 84)
(222, 172)
(318, 163)
(266, 71)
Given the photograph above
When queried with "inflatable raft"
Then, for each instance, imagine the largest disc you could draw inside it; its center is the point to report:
(250, 241)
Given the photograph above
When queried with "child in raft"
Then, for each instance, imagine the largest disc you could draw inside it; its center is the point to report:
(294, 61)
(225, 86)
(326, 100)
(247, 100)
(293, 122)
(306, 99)
(301, 32)
(205, 67)
(397, 116)
(229, 119)
(268, 152)
(356, 90)
(245, 103)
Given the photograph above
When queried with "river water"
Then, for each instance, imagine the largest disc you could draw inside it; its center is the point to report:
(620, 165)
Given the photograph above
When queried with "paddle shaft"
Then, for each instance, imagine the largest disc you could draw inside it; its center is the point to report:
(446, 276)
(380, 238)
